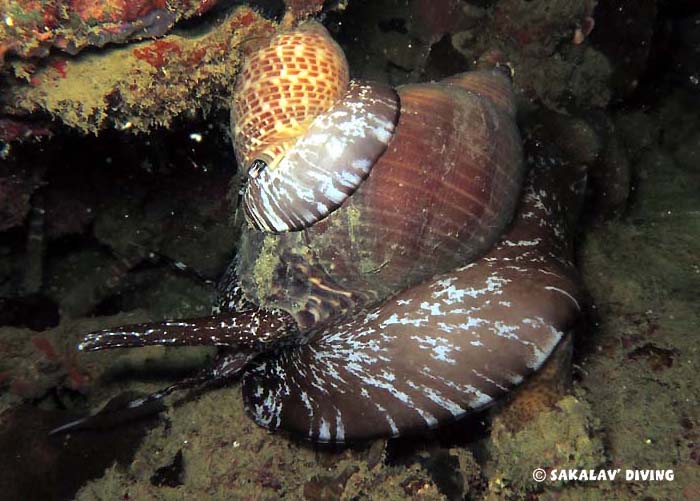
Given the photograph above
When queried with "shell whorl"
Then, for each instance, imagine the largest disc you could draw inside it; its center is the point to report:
(494, 85)
(442, 193)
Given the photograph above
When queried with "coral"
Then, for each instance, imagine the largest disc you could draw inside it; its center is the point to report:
(15, 130)
(432, 19)
(638, 370)
(610, 177)
(631, 52)
(396, 41)
(30, 28)
(138, 86)
(302, 8)
(541, 27)
(546, 43)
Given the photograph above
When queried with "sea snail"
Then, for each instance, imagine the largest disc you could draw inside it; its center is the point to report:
(395, 307)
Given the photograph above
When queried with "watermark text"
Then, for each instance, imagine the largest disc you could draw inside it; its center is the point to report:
(602, 475)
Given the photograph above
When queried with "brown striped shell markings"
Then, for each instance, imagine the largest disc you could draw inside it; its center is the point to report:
(306, 135)
(439, 196)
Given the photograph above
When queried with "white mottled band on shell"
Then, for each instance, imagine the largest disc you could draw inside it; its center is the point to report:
(327, 164)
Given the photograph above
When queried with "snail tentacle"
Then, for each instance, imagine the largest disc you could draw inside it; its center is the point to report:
(252, 330)
(235, 323)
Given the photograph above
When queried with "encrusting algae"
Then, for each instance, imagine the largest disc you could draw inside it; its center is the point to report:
(141, 85)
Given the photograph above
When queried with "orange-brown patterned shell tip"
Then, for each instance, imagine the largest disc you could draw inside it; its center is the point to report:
(283, 87)
(494, 84)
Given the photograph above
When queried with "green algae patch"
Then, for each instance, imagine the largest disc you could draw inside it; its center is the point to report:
(266, 264)
(227, 456)
(30, 28)
(564, 437)
(368, 262)
(641, 364)
(275, 269)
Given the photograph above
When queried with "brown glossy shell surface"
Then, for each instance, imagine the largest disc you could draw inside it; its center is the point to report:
(439, 197)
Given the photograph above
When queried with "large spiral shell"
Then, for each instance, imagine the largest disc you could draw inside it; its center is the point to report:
(395, 309)
(439, 350)
(325, 166)
(439, 196)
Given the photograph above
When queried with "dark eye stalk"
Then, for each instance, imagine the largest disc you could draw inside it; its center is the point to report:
(256, 167)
